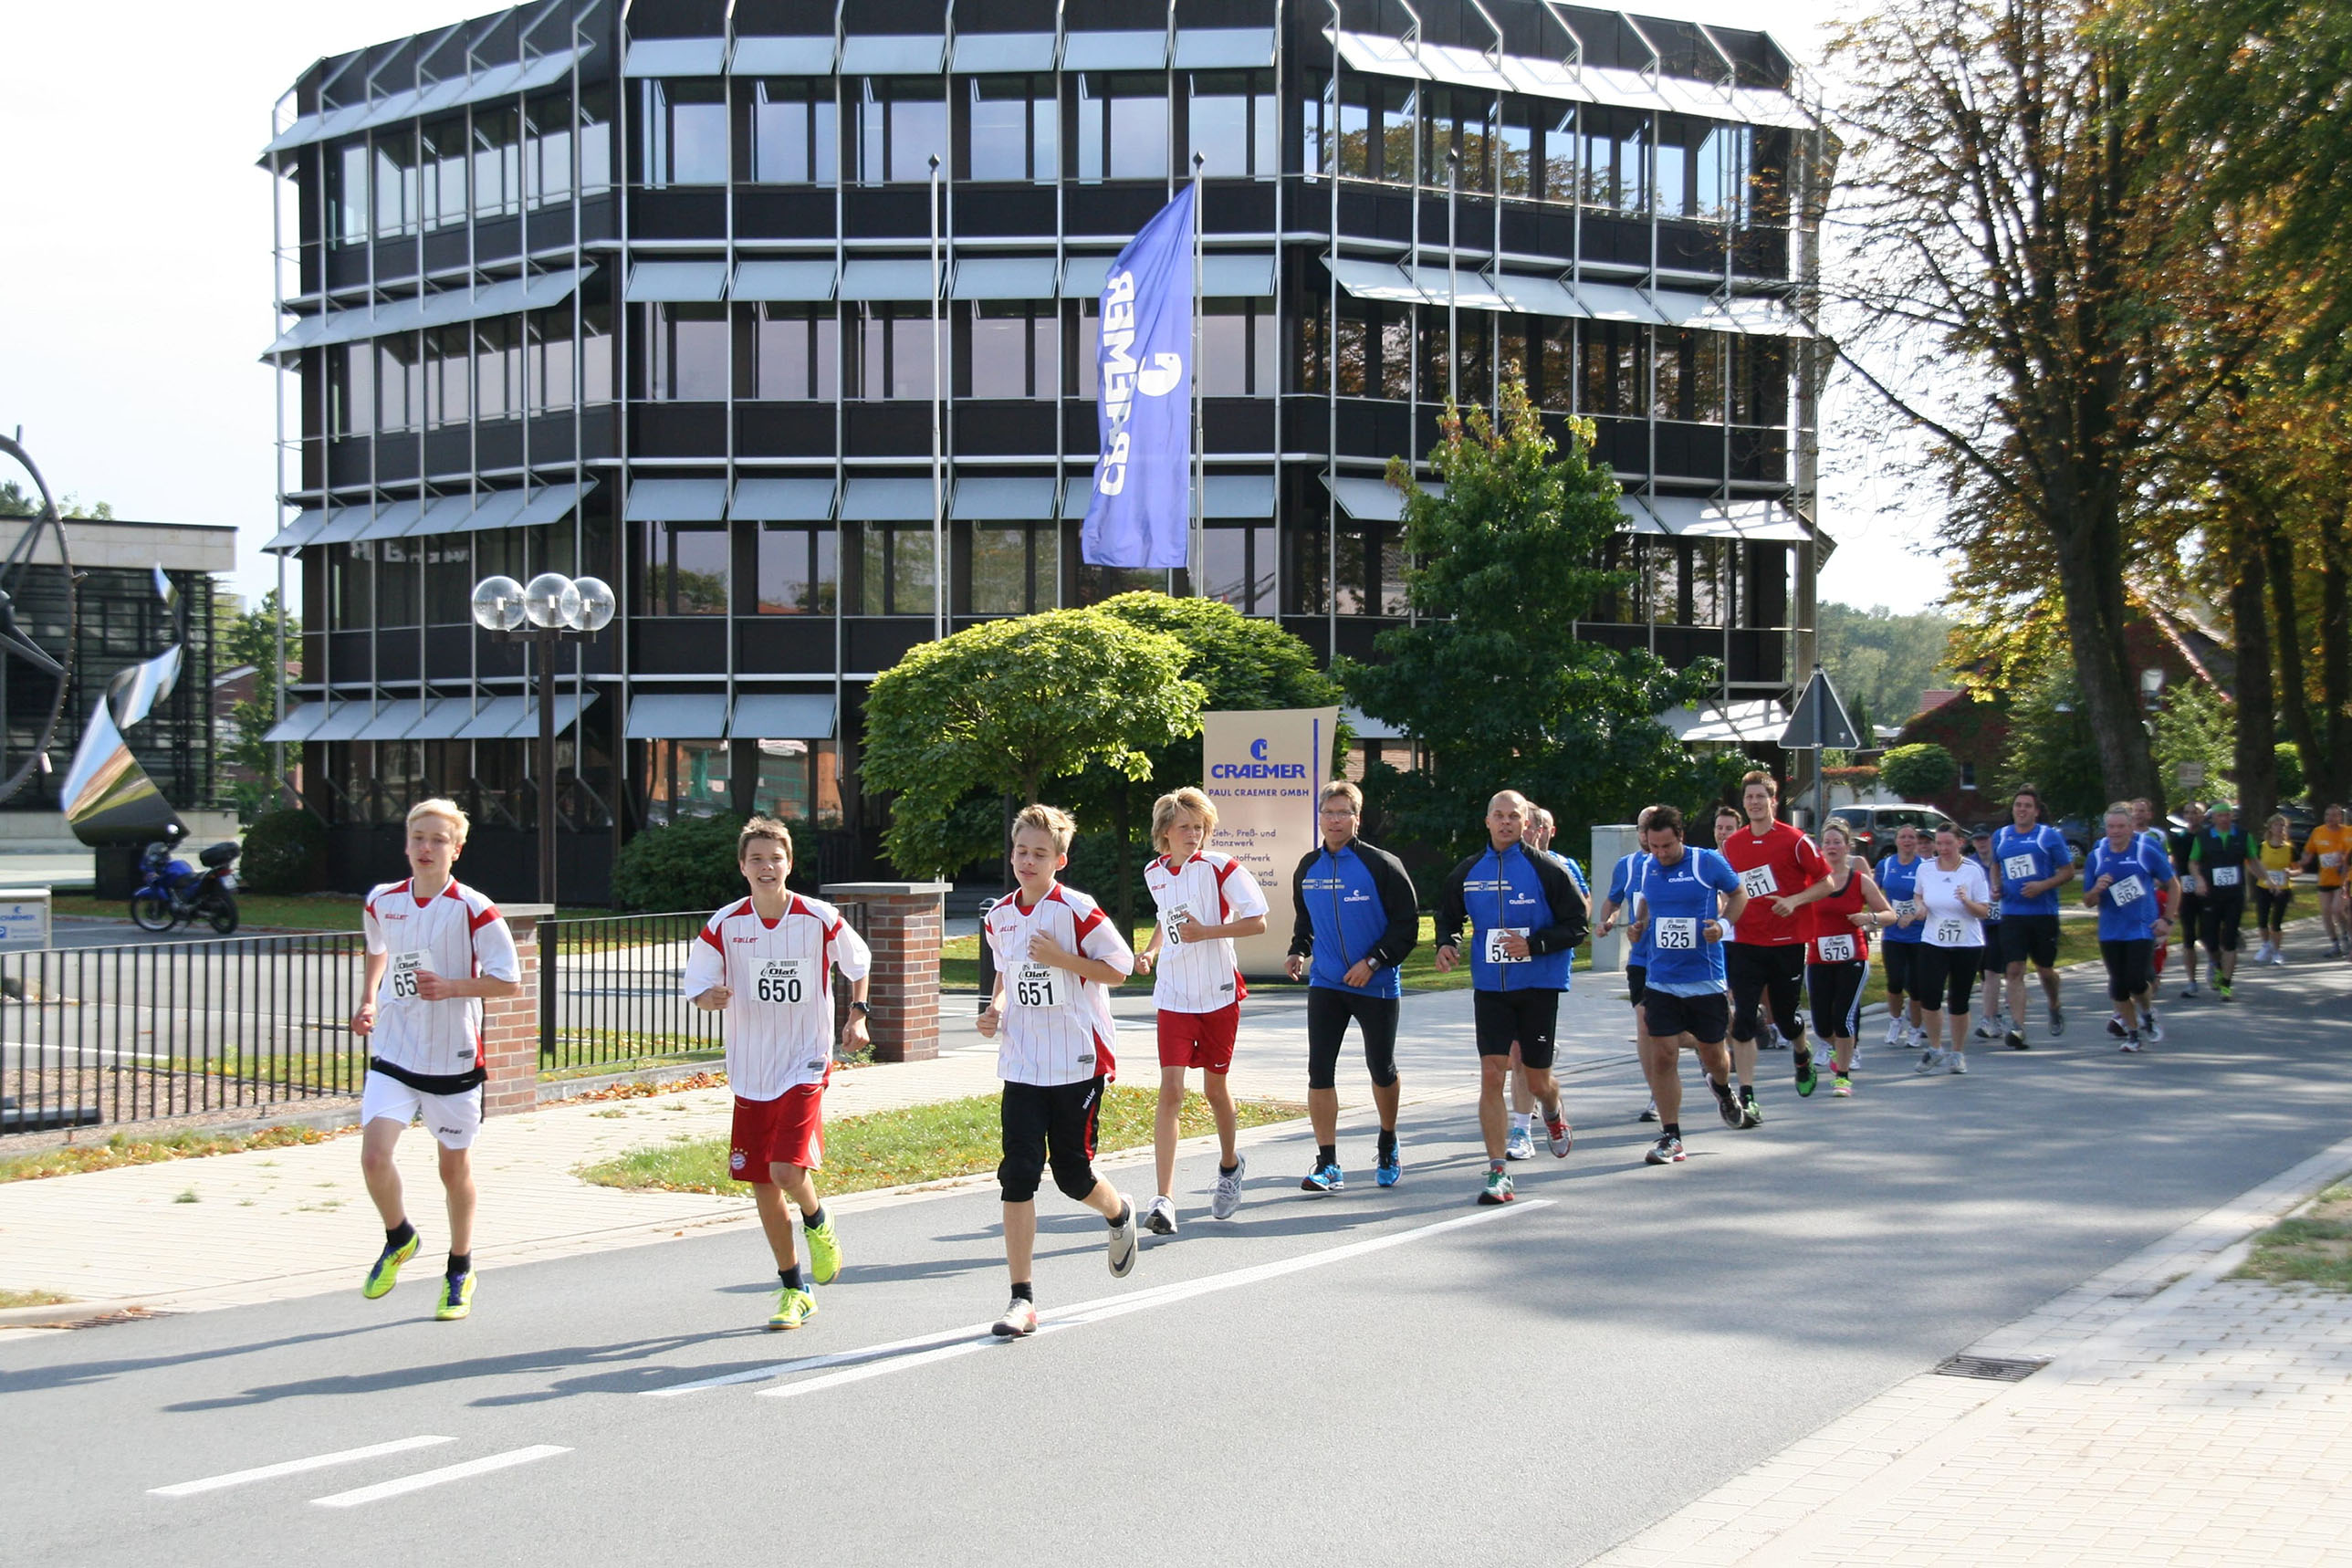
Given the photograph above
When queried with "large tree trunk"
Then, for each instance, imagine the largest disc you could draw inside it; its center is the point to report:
(2333, 773)
(2257, 721)
(2293, 688)
(2096, 614)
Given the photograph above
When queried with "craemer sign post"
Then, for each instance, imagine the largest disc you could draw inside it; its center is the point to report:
(1262, 769)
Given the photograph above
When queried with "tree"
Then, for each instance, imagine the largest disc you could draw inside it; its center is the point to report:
(16, 501)
(2196, 729)
(2288, 764)
(2051, 746)
(1007, 707)
(1881, 661)
(1915, 772)
(250, 636)
(1493, 679)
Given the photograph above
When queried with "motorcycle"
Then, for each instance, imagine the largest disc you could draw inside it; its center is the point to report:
(176, 894)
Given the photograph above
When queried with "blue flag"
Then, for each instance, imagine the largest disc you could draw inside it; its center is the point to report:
(1140, 512)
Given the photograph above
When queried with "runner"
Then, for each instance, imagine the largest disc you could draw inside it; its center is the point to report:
(767, 962)
(2181, 845)
(1623, 880)
(1840, 910)
(1056, 957)
(1994, 1024)
(1898, 948)
(1355, 918)
(435, 950)
(1765, 957)
(2146, 828)
(2126, 878)
(1525, 920)
(2034, 861)
(1770, 1036)
(2221, 862)
(1197, 990)
(1686, 903)
(1521, 1144)
(2329, 847)
(2274, 892)
(1954, 899)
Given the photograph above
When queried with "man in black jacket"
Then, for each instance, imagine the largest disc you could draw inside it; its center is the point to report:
(1354, 920)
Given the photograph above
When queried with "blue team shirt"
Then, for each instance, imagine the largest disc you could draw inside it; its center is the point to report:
(1900, 882)
(1682, 963)
(1501, 890)
(1623, 882)
(2022, 857)
(2127, 910)
(1343, 905)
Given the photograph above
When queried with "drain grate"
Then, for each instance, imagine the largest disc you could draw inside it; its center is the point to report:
(1992, 1369)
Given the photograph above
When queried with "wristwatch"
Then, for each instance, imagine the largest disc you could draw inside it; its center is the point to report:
(860, 1008)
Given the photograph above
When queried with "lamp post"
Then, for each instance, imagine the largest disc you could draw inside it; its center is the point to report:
(553, 608)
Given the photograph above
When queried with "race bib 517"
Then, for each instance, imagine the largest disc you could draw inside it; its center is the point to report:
(2017, 867)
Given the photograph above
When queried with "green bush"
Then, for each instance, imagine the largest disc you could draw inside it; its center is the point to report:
(285, 852)
(2289, 771)
(1914, 772)
(688, 865)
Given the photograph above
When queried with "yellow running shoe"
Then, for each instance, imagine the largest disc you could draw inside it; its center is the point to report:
(824, 1253)
(384, 1273)
(457, 1298)
(794, 1307)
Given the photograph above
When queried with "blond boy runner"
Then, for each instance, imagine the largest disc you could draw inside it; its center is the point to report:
(1056, 957)
(435, 950)
(767, 962)
(1198, 984)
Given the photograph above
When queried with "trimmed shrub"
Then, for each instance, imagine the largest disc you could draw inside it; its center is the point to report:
(285, 852)
(1916, 772)
(688, 865)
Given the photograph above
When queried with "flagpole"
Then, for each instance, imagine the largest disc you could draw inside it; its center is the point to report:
(939, 484)
(1196, 550)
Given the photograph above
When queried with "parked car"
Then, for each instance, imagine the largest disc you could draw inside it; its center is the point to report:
(1873, 826)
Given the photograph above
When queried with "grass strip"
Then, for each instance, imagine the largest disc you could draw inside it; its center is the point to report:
(75, 1158)
(918, 1143)
(2314, 1247)
(31, 1299)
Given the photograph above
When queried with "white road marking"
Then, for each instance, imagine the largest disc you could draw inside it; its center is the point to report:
(950, 1342)
(423, 1478)
(296, 1467)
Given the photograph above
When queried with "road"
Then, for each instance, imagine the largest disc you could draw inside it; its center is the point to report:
(1385, 1376)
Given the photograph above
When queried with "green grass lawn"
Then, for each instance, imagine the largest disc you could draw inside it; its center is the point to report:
(920, 1143)
(2314, 1247)
(75, 1158)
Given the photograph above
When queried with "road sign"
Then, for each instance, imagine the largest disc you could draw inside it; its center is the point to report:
(2192, 774)
(1819, 720)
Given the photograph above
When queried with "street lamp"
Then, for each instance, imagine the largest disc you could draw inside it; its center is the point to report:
(553, 608)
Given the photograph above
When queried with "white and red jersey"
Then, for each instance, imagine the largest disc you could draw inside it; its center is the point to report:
(456, 935)
(1213, 889)
(1057, 1028)
(1774, 863)
(780, 1017)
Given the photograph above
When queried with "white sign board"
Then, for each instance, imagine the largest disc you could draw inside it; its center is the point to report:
(24, 919)
(1263, 772)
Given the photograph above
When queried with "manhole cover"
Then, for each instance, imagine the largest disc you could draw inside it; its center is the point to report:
(1992, 1369)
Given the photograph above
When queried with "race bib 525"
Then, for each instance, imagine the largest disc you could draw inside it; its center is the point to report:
(1677, 935)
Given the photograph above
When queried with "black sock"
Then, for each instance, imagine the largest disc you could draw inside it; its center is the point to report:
(792, 1278)
(1024, 1291)
(1674, 1129)
(1722, 1087)
(1388, 1141)
(1224, 1170)
(1326, 1153)
(815, 1218)
(460, 1265)
(1746, 1091)
(399, 1235)
(1126, 1213)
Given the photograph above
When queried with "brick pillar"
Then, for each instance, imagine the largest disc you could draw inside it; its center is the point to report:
(510, 1024)
(905, 923)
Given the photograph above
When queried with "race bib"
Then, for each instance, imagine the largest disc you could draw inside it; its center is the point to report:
(781, 981)
(400, 982)
(2332, 860)
(1995, 906)
(2225, 875)
(2130, 890)
(1950, 933)
(1677, 935)
(1172, 924)
(2277, 880)
(1758, 882)
(2017, 867)
(1039, 986)
(1836, 949)
(1906, 908)
(1495, 935)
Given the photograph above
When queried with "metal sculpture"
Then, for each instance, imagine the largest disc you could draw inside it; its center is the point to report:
(108, 797)
(43, 537)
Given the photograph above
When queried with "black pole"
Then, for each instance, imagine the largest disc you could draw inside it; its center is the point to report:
(546, 640)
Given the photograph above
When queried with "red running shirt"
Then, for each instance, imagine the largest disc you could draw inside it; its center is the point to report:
(1780, 863)
(1827, 922)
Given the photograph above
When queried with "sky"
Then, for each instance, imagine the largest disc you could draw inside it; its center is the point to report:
(134, 129)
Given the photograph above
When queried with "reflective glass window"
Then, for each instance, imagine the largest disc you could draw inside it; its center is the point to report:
(1012, 128)
(443, 158)
(793, 132)
(795, 351)
(798, 570)
(895, 570)
(684, 131)
(688, 363)
(547, 150)
(687, 568)
(497, 162)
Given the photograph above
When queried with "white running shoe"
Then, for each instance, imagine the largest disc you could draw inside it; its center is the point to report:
(1020, 1320)
(1958, 1066)
(1986, 1030)
(1520, 1145)
(1120, 1249)
(1159, 1216)
(1229, 1189)
(1930, 1059)
(2153, 1031)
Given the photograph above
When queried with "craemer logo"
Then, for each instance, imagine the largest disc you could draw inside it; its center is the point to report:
(1257, 749)
(1259, 768)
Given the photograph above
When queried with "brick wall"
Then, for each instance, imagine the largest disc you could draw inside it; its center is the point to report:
(510, 1024)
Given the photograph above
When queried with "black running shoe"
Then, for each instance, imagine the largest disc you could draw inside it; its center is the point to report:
(2015, 1040)
(1727, 1106)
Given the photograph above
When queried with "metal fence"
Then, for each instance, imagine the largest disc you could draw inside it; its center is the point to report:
(611, 997)
(93, 1037)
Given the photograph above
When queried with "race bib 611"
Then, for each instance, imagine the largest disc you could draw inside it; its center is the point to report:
(1758, 882)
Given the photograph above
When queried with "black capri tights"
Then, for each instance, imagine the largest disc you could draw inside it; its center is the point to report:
(1328, 1012)
(1945, 976)
(2131, 967)
(1757, 972)
(2217, 927)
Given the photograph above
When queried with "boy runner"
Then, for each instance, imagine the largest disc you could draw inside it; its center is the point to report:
(435, 950)
(1766, 956)
(2127, 876)
(767, 962)
(2033, 860)
(2274, 892)
(2329, 847)
(1057, 956)
(1354, 919)
(1623, 881)
(1527, 919)
(1198, 987)
(1685, 904)
(1521, 1144)
(2221, 862)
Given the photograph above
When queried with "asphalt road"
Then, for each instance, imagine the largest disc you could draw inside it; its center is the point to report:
(1380, 1377)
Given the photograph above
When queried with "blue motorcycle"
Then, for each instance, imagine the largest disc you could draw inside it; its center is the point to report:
(176, 894)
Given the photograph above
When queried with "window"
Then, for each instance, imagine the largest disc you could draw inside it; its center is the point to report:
(1473, 369)
(1616, 159)
(1537, 146)
(1539, 350)
(448, 579)
(793, 129)
(1319, 124)
(689, 361)
(399, 383)
(1706, 595)
(443, 168)
(1236, 356)
(1012, 128)
(896, 578)
(1378, 129)
(797, 569)
(1611, 363)
(396, 194)
(1122, 126)
(686, 132)
(799, 781)
(497, 368)
(547, 150)
(497, 163)
(686, 568)
(1238, 567)
(1234, 125)
(793, 352)
(351, 389)
(1015, 568)
(1370, 575)
(448, 374)
(1009, 350)
(399, 590)
(351, 583)
(686, 778)
(1374, 343)
(550, 360)
(596, 140)
(893, 352)
(1458, 120)
(1760, 380)
(347, 192)
(902, 125)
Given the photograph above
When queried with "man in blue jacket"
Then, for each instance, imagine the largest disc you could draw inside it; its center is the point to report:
(1527, 919)
(1355, 919)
